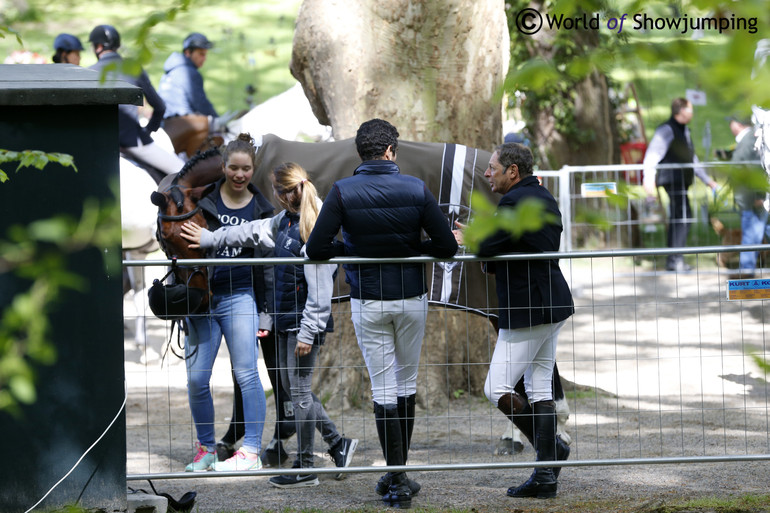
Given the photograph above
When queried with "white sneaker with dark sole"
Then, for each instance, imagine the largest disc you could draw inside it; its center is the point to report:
(295, 481)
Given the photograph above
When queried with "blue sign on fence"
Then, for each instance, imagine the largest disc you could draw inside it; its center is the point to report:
(748, 289)
(598, 189)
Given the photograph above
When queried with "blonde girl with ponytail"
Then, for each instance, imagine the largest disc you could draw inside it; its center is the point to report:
(296, 193)
(303, 294)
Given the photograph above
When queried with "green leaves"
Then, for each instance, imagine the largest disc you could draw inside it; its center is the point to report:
(5, 29)
(528, 216)
(34, 158)
(40, 253)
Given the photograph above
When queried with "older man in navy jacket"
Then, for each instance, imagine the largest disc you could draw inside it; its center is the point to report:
(534, 303)
(382, 213)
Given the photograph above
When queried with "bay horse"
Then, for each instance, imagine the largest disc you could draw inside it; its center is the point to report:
(177, 200)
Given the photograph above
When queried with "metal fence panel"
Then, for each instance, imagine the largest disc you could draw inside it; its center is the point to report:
(658, 367)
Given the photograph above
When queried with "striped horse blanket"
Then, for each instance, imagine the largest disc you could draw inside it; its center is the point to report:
(451, 172)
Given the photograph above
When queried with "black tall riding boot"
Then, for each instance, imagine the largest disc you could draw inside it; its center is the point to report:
(518, 410)
(391, 441)
(406, 416)
(542, 482)
(406, 406)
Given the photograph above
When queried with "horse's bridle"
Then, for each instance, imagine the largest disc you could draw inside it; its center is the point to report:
(174, 218)
(180, 217)
(179, 203)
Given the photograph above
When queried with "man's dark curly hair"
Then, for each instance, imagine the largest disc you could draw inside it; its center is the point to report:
(515, 153)
(374, 137)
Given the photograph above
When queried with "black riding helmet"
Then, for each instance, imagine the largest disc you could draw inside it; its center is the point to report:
(67, 43)
(196, 40)
(105, 35)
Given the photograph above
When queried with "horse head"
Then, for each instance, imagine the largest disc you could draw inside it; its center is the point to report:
(178, 200)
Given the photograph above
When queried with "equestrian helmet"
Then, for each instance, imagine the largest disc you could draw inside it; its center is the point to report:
(105, 35)
(196, 40)
(175, 301)
(67, 43)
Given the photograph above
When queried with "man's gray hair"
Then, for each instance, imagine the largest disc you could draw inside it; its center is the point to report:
(515, 153)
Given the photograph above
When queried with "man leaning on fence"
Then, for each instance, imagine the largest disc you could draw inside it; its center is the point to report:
(383, 213)
(672, 144)
(534, 302)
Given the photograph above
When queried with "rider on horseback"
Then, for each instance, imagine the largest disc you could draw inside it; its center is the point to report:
(135, 140)
(190, 116)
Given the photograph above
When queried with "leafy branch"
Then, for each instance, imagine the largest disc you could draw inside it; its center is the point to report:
(144, 44)
(5, 29)
(33, 158)
(528, 216)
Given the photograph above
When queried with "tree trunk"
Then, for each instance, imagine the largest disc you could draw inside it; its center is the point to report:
(454, 360)
(431, 68)
(596, 141)
(594, 137)
(434, 70)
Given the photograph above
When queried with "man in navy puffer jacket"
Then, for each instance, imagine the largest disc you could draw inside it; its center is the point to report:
(382, 213)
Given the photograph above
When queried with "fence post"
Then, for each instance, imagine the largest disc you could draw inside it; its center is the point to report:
(565, 205)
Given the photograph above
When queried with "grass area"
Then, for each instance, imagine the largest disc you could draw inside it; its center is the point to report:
(252, 39)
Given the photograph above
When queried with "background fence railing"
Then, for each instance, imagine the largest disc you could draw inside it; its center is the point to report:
(632, 224)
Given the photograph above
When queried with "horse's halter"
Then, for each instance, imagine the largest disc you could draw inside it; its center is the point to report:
(178, 198)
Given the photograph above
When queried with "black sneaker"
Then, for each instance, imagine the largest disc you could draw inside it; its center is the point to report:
(274, 455)
(225, 451)
(342, 453)
(383, 485)
(295, 481)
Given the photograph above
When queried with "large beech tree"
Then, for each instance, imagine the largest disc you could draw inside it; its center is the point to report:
(432, 68)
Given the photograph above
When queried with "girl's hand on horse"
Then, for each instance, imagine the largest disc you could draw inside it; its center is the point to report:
(192, 232)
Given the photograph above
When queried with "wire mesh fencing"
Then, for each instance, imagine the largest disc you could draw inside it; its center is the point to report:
(656, 367)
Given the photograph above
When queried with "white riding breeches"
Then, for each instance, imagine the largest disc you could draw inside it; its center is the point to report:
(390, 335)
(528, 352)
(156, 156)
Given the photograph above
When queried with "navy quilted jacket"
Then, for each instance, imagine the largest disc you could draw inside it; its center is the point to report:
(382, 213)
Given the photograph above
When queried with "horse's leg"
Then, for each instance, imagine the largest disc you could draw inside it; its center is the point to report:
(562, 407)
(510, 441)
(136, 280)
(136, 277)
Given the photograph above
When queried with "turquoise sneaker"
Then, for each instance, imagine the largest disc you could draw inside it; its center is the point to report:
(240, 461)
(202, 461)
